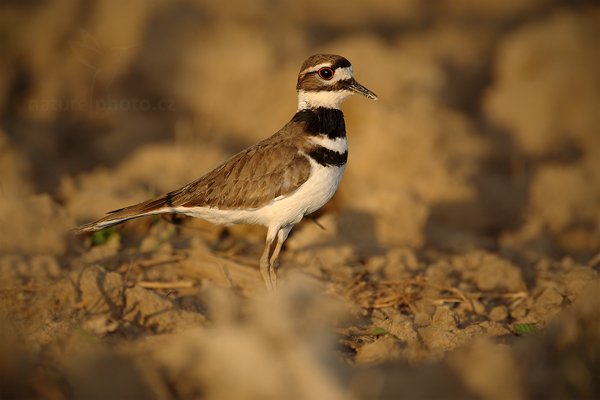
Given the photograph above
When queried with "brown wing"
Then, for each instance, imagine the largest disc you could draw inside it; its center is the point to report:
(249, 179)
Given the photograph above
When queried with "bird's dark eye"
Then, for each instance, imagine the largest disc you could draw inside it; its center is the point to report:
(326, 73)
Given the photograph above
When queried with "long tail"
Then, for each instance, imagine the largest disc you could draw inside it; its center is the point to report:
(149, 207)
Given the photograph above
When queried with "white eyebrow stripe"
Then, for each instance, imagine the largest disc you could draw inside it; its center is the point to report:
(316, 68)
(342, 74)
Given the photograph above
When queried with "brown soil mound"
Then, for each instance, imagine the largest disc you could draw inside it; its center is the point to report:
(459, 259)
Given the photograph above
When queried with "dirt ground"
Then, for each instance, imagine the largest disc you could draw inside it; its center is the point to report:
(459, 259)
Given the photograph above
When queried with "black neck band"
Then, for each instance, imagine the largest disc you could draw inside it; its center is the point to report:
(322, 121)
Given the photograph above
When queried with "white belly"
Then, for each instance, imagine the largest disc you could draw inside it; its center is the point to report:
(285, 210)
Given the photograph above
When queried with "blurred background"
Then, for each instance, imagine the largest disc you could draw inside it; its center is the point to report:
(485, 144)
(486, 133)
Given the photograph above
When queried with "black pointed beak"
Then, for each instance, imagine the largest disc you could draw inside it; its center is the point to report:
(360, 89)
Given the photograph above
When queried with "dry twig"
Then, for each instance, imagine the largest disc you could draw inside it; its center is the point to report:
(165, 285)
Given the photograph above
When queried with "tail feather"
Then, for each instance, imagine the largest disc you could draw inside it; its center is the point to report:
(149, 207)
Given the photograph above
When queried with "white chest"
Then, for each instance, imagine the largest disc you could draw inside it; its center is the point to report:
(308, 198)
(319, 188)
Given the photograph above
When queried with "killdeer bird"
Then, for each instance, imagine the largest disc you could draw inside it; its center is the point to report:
(279, 180)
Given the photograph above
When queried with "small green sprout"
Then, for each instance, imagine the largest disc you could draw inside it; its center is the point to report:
(525, 329)
(379, 331)
(101, 237)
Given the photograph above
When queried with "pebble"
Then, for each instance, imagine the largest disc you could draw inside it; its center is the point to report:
(498, 313)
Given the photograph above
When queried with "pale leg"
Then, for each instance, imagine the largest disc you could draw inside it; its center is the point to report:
(265, 265)
(282, 235)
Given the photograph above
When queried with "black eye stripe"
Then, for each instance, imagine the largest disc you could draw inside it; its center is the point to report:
(341, 63)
